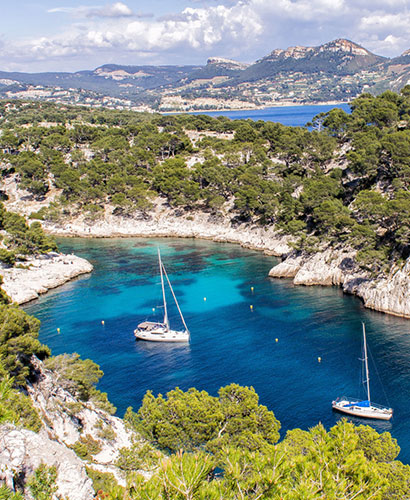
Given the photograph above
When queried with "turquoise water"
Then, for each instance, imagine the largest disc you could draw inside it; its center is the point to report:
(295, 116)
(229, 341)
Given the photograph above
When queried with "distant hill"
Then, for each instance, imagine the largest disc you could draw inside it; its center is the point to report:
(335, 71)
(218, 66)
(144, 76)
(338, 57)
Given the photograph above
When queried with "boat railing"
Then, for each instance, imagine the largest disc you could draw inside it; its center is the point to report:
(356, 400)
(380, 407)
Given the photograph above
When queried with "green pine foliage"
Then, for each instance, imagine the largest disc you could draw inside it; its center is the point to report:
(22, 239)
(7, 494)
(42, 484)
(346, 462)
(18, 342)
(79, 377)
(86, 447)
(194, 419)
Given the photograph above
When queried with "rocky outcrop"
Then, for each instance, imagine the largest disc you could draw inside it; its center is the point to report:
(67, 420)
(37, 275)
(23, 451)
(165, 222)
(328, 267)
(389, 294)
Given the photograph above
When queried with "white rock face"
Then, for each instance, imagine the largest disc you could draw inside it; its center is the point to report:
(41, 274)
(163, 222)
(22, 451)
(389, 294)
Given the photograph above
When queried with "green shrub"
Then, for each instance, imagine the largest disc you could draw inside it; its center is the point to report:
(7, 257)
(86, 446)
(42, 484)
(102, 481)
(105, 431)
(138, 456)
(6, 494)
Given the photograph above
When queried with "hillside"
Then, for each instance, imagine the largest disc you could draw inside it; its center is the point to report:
(340, 57)
(335, 71)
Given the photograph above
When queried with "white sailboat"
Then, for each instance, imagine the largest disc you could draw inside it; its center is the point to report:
(162, 332)
(363, 408)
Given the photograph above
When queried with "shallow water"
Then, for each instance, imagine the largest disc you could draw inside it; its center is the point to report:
(230, 342)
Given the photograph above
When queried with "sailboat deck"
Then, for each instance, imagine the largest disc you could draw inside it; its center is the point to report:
(355, 407)
(149, 325)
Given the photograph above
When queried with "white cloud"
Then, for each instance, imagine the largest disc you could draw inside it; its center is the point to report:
(241, 29)
(198, 29)
(117, 9)
(380, 21)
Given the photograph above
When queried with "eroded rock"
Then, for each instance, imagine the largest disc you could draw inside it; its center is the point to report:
(23, 451)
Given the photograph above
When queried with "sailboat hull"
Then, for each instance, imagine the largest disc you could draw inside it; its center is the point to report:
(159, 332)
(349, 407)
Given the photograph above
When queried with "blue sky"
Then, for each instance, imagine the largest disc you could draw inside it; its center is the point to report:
(47, 35)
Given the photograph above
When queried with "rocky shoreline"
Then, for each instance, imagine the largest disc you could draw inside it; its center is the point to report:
(39, 274)
(164, 224)
(389, 294)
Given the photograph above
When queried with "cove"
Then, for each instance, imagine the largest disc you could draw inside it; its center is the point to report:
(230, 341)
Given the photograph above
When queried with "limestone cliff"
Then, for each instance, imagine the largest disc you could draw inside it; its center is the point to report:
(389, 294)
(22, 451)
(165, 222)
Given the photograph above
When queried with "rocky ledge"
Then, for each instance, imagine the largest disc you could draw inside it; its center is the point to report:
(389, 294)
(23, 451)
(165, 222)
(37, 275)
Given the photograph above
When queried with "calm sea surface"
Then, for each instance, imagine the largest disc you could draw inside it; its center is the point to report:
(230, 342)
(296, 116)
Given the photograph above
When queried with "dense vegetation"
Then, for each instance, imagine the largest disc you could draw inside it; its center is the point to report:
(19, 239)
(344, 182)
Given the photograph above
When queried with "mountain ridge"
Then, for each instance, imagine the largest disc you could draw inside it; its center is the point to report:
(338, 70)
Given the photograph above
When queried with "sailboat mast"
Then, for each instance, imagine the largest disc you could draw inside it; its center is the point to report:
(176, 302)
(366, 363)
(163, 291)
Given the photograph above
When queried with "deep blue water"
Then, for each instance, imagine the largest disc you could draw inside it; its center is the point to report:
(229, 341)
(295, 116)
